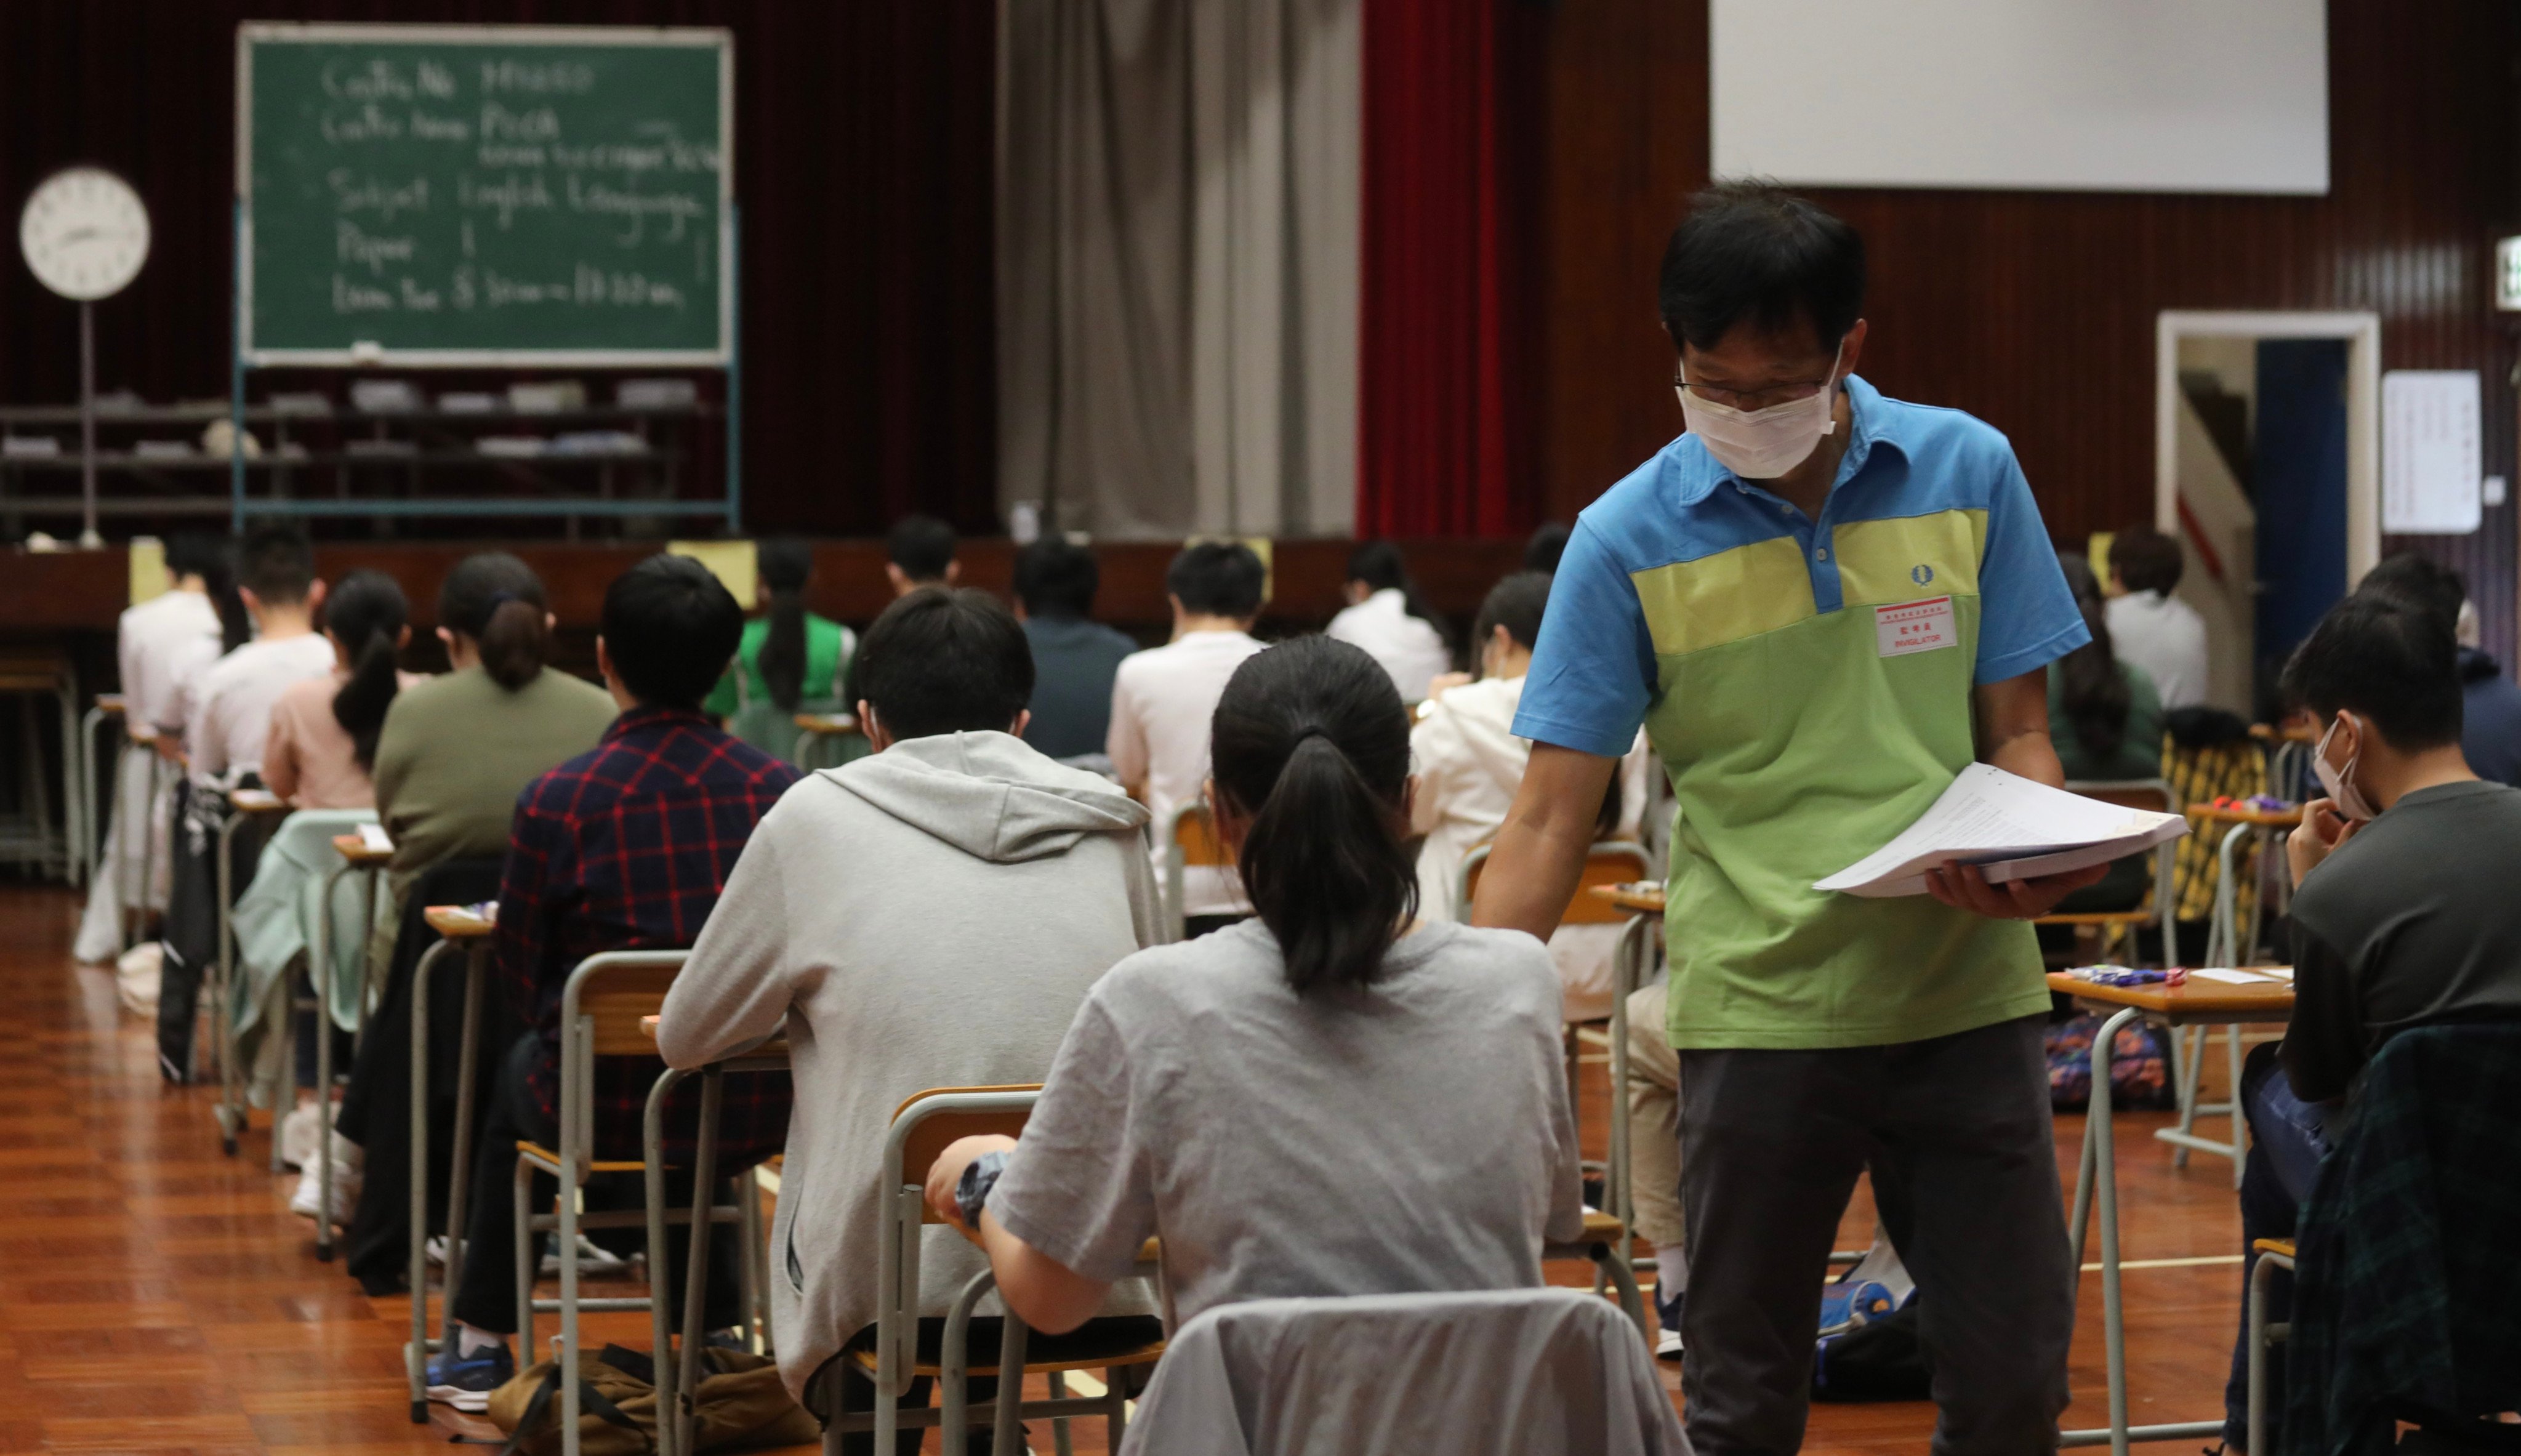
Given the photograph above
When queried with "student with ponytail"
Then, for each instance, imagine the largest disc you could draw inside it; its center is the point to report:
(323, 743)
(1331, 1098)
(791, 660)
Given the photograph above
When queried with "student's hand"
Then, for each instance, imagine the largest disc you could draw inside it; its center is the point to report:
(2321, 831)
(1446, 682)
(946, 1172)
(1964, 887)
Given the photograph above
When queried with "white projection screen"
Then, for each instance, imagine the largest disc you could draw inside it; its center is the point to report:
(2067, 95)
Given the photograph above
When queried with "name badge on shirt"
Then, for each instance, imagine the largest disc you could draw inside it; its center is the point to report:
(1914, 627)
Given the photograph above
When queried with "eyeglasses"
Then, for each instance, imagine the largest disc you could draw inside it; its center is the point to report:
(1751, 401)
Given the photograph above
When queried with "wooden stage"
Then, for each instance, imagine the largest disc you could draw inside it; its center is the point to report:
(157, 1296)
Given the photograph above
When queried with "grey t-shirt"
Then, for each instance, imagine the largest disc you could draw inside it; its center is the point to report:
(1415, 1136)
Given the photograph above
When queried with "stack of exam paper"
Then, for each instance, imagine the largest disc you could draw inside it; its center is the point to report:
(2011, 829)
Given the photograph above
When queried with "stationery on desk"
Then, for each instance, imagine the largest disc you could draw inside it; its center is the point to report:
(374, 839)
(2011, 828)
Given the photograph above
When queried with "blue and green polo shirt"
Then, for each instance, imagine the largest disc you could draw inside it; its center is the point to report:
(1808, 686)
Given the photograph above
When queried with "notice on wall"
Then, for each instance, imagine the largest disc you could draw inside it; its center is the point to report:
(2432, 463)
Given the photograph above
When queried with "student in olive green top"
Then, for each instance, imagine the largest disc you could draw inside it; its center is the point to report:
(457, 749)
(790, 661)
(2106, 720)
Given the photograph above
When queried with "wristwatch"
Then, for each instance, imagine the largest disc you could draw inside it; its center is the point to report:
(972, 1191)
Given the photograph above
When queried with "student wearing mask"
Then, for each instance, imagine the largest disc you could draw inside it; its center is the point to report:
(2403, 912)
(1385, 616)
(792, 661)
(1075, 658)
(1823, 605)
(1161, 701)
(2152, 629)
(920, 551)
(953, 868)
(323, 743)
(1210, 1093)
(457, 749)
(2490, 716)
(622, 847)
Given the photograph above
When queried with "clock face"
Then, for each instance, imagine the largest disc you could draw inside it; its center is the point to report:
(85, 233)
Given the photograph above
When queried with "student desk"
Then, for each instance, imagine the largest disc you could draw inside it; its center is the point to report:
(460, 932)
(2227, 944)
(2198, 1003)
(819, 729)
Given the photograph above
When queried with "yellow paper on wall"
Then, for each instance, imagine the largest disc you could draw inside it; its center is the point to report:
(2097, 552)
(149, 579)
(730, 561)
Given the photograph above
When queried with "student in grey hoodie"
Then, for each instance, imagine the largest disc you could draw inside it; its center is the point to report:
(930, 915)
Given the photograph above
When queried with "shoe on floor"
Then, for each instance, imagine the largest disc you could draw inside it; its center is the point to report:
(465, 1382)
(594, 1260)
(346, 1194)
(297, 1135)
(1668, 1324)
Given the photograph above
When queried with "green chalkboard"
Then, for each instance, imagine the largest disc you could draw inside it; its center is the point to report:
(484, 194)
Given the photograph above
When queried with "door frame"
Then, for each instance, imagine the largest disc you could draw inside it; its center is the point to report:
(2362, 335)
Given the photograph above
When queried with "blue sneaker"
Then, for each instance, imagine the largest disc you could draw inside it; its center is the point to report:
(1851, 1302)
(1668, 1323)
(465, 1382)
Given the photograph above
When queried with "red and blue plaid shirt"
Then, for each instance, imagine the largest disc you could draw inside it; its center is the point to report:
(628, 847)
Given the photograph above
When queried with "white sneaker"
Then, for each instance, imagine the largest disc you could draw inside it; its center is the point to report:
(346, 1194)
(434, 1251)
(298, 1136)
(1668, 1346)
(594, 1260)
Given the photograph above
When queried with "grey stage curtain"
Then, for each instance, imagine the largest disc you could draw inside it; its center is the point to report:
(1177, 264)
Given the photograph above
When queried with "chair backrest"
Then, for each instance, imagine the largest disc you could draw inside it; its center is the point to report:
(922, 1127)
(600, 1009)
(1529, 1372)
(1610, 862)
(927, 1121)
(1190, 839)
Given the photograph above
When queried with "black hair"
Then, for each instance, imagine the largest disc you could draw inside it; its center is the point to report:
(2419, 581)
(2391, 661)
(1516, 604)
(2145, 560)
(1547, 544)
(2095, 693)
(196, 554)
(944, 659)
(1379, 565)
(1057, 578)
(277, 562)
(669, 628)
(785, 563)
(1753, 250)
(923, 546)
(213, 559)
(497, 601)
(366, 612)
(1216, 578)
(1311, 741)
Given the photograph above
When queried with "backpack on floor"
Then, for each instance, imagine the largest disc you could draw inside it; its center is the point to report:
(740, 1402)
(1881, 1359)
(2139, 1065)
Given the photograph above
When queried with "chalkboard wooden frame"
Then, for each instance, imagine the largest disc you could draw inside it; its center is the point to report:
(252, 33)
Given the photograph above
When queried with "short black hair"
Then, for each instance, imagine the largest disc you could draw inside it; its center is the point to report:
(946, 661)
(923, 546)
(671, 627)
(199, 554)
(1547, 544)
(1055, 577)
(277, 562)
(2145, 560)
(1216, 578)
(2387, 660)
(1515, 603)
(1751, 249)
(2419, 581)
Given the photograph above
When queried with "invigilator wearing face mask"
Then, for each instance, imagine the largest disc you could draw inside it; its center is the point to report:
(1822, 604)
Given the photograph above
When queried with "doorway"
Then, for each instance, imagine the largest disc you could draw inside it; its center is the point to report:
(2266, 470)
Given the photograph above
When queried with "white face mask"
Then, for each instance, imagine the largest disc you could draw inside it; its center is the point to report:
(2339, 783)
(1764, 444)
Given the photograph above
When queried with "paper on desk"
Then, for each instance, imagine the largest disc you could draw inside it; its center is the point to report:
(2238, 977)
(2011, 828)
(374, 839)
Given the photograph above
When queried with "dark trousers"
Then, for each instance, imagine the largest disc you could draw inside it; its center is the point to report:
(1956, 1130)
(486, 1297)
(838, 1390)
(190, 937)
(2288, 1138)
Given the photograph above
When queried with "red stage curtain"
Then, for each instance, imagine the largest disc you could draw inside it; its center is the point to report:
(1444, 419)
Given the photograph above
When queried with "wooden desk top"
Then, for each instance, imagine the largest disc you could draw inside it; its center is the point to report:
(109, 703)
(828, 722)
(355, 849)
(257, 801)
(458, 923)
(141, 734)
(1640, 900)
(2262, 818)
(2196, 1000)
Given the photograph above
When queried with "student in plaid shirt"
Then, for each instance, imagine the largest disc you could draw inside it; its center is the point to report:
(621, 848)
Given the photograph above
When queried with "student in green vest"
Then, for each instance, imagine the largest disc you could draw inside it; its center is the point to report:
(791, 660)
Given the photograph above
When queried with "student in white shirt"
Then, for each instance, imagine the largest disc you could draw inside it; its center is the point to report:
(231, 709)
(1387, 617)
(1470, 764)
(2150, 628)
(177, 628)
(1161, 701)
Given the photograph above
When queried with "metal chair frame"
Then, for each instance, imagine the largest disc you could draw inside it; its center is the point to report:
(55, 678)
(1178, 862)
(320, 1002)
(475, 948)
(678, 1369)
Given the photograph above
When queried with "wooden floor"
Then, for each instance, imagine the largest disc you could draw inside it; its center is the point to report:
(157, 1297)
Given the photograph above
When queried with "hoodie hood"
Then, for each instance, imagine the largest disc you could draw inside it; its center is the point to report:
(989, 795)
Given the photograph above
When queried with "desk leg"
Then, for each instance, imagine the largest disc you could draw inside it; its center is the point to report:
(319, 966)
(696, 1269)
(2105, 1172)
(416, 1354)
